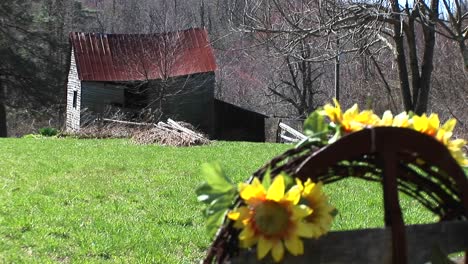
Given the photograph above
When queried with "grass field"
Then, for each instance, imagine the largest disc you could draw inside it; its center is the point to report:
(109, 201)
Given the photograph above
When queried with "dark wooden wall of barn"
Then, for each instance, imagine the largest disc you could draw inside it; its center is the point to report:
(235, 123)
(191, 101)
(187, 98)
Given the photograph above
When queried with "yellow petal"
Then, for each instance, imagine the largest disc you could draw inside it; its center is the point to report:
(309, 181)
(354, 126)
(299, 184)
(333, 112)
(434, 121)
(276, 190)
(301, 211)
(248, 242)
(239, 215)
(351, 112)
(247, 233)
(294, 246)
(309, 186)
(450, 125)
(420, 122)
(234, 215)
(278, 251)
(249, 191)
(293, 195)
(457, 143)
(330, 111)
(401, 120)
(263, 247)
(306, 230)
(387, 118)
(337, 104)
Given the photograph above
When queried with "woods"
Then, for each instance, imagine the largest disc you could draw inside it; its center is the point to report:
(280, 58)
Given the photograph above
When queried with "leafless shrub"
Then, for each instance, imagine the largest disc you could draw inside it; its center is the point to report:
(170, 137)
(101, 125)
(107, 131)
(142, 129)
(22, 121)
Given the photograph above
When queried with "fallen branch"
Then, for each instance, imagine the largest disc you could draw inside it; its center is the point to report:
(127, 122)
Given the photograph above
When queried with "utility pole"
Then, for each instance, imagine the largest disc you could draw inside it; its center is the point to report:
(337, 70)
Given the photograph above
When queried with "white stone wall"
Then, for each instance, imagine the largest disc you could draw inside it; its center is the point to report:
(74, 84)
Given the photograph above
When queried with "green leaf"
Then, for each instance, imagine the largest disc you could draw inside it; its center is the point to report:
(316, 126)
(213, 222)
(215, 211)
(206, 193)
(266, 182)
(220, 204)
(288, 180)
(336, 136)
(215, 177)
(217, 192)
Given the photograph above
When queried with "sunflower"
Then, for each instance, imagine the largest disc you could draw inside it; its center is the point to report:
(445, 132)
(272, 219)
(427, 125)
(333, 112)
(359, 121)
(352, 119)
(400, 120)
(322, 212)
(455, 148)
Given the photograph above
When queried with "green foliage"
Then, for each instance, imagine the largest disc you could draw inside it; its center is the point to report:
(32, 136)
(217, 192)
(109, 201)
(48, 131)
(266, 182)
(315, 126)
(319, 130)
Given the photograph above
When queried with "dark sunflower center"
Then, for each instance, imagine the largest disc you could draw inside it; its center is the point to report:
(271, 218)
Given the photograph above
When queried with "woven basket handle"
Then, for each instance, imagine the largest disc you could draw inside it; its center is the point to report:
(387, 143)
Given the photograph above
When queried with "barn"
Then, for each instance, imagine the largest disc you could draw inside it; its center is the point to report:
(170, 72)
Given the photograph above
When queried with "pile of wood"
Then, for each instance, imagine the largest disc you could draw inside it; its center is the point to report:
(170, 133)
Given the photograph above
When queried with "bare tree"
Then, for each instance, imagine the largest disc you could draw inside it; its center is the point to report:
(297, 82)
(364, 25)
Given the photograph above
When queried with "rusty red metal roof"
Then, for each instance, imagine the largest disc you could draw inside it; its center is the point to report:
(133, 57)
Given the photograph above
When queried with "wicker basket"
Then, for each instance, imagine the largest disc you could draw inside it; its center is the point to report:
(399, 158)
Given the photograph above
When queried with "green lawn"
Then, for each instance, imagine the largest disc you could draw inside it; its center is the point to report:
(93, 201)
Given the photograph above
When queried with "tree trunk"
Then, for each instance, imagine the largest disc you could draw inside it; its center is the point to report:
(427, 66)
(401, 58)
(3, 119)
(464, 52)
(413, 56)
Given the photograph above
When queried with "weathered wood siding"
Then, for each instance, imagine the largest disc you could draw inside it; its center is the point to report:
(238, 124)
(73, 85)
(188, 98)
(97, 95)
(193, 103)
